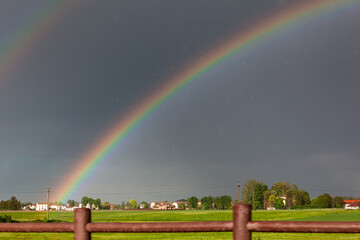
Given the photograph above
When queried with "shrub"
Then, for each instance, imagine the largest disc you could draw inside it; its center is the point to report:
(5, 218)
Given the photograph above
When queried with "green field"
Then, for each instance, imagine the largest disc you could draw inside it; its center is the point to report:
(183, 216)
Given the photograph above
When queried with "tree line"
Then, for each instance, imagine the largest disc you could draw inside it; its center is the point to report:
(285, 195)
(93, 203)
(11, 204)
(209, 202)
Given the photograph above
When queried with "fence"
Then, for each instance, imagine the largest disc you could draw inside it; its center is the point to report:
(241, 226)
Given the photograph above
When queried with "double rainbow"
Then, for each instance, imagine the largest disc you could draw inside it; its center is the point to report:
(258, 34)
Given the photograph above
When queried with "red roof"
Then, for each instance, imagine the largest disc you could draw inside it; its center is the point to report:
(351, 201)
(354, 204)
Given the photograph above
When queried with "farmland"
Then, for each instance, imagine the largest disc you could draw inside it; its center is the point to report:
(184, 216)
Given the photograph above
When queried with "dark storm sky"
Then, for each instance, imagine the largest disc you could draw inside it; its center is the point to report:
(287, 111)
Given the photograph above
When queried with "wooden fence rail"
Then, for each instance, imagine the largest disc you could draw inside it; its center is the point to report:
(241, 226)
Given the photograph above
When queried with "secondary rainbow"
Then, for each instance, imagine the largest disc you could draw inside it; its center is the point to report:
(22, 39)
(260, 32)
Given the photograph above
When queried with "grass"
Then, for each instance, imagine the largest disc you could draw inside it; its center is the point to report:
(185, 216)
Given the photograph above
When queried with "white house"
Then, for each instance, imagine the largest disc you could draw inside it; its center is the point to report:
(41, 207)
(177, 204)
(351, 204)
(57, 207)
(68, 208)
(161, 205)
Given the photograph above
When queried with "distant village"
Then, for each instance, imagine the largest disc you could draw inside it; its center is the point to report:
(163, 205)
(282, 195)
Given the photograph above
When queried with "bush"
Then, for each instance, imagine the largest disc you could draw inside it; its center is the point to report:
(5, 218)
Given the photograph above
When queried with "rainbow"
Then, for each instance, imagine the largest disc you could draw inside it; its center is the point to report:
(19, 42)
(260, 32)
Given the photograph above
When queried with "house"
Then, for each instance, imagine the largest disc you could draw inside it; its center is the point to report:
(351, 204)
(177, 203)
(29, 207)
(285, 200)
(57, 207)
(41, 206)
(68, 208)
(162, 205)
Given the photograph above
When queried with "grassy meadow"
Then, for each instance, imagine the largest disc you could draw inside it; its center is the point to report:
(184, 216)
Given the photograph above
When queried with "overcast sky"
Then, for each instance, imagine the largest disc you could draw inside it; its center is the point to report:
(286, 110)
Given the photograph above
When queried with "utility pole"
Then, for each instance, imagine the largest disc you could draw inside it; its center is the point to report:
(48, 192)
(238, 185)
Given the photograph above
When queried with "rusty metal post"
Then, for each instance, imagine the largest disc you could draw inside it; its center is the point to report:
(241, 217)
(82, 217)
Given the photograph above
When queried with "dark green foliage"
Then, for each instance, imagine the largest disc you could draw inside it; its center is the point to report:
(207, 203)
(86, 200)
(302, 198)
(292, 195)
(5, 218)
(322, 201)
(278, 203)
(97, 203)
(223, 202)
(71, 203)
(192, 202)
(339, 202)
(12, 204)
(253, 193)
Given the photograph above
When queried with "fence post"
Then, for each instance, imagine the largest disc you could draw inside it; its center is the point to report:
(241, 216)
(82, 217)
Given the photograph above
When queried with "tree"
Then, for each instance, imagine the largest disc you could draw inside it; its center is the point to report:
(14, 203)
(117, 206)
(146, 205)
(122, 206)
(84, 201)
(281, 188)
(225, 202)
(322, 201)
(133, 204)
(278, 203)
(106, 205)
(11, 204)
(206, 202)
(269, 198)
(97, 203)
(290, 195)
(71, 203)
(192, 202)
(302, 198)
(217, 203)
(182, 206)
(293, 195)
(253, 193)
(267, 202)
(339, 202)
